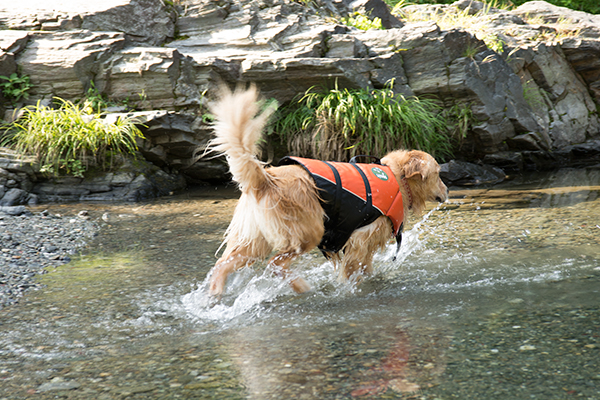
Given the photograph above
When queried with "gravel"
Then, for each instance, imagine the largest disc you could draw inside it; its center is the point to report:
(30, 243)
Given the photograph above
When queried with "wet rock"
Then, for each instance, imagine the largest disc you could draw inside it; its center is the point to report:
(582, 154)
(506, 160)
(58, 384)
(131, 390)
(465, 173)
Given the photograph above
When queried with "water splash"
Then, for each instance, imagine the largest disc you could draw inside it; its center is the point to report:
(247, 290)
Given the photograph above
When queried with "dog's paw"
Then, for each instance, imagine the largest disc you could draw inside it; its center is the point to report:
(213, 300)
(299, 285)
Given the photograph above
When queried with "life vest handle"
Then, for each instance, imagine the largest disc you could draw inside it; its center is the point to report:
(353, 159)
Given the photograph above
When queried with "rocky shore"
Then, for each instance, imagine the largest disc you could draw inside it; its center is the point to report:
(526, 79)
(32, 242)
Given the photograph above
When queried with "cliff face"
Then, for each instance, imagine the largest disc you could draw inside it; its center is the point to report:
(530, 76)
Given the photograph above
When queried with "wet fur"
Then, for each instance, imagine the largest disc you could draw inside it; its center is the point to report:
(279, 208)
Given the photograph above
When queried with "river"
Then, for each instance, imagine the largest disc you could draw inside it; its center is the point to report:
(494, 295)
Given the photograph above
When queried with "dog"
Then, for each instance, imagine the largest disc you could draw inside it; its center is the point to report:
(281, 209)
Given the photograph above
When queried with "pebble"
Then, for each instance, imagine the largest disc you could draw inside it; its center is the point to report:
(527, 347)
(31, 242)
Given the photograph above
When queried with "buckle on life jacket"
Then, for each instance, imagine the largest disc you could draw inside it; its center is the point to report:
(398, 240)
(353, 159)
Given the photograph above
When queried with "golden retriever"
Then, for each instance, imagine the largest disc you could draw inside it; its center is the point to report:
(280, 208)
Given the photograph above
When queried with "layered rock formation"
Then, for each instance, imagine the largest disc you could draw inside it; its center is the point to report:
(530, 76)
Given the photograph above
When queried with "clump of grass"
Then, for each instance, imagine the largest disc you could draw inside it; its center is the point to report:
(448, 17)
(341, 123)
(71, 140)
(363, 22)
(466, 18)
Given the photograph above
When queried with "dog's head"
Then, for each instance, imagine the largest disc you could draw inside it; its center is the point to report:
(422, 174)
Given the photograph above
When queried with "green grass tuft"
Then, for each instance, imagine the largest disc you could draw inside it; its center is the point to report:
(341, 123)
(70, 139)
(363, 22)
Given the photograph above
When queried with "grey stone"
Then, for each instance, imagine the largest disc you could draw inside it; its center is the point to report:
(529, 141)
(143, 21)
(63, 64)
(14, 197)
(14, 210)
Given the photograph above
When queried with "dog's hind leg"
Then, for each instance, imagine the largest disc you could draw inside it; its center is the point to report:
(280, 265)
(231, 261)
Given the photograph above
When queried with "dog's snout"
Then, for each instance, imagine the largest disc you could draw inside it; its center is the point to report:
(443, 195)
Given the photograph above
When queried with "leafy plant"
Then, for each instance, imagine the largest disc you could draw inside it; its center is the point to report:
(340, 123)
(363, 22)
(493, 42)
(15, 87)
(96, 100)
(70, 139)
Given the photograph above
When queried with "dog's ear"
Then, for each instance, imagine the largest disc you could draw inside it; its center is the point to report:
(418, 165)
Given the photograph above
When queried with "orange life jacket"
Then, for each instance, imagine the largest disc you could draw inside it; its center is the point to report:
(353, 195)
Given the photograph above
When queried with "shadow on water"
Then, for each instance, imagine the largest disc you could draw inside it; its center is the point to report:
(495, 295)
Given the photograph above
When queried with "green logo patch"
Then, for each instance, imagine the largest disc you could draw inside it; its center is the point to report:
(378, 172)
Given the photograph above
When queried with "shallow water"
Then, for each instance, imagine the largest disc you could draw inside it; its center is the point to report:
(494, 295)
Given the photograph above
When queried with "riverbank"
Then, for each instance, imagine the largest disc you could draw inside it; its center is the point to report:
(31, 242)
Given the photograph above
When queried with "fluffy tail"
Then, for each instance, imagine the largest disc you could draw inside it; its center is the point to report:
(238, 127)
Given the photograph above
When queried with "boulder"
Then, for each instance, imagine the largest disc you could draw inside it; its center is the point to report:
(467, 174)
(63, 64)
(14, 197)
(135, 180)
(148, 79)
(560, 100)
(509, 161)
(14, 210)
(150, 22)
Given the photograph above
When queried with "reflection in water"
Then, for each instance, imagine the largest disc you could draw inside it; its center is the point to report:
(494, 295)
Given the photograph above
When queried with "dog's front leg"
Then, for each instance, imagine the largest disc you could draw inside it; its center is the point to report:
(280, 265)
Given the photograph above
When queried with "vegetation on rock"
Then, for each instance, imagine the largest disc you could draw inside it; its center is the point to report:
(589, 6)
(15, 87)
(71, 138)
(338, 124)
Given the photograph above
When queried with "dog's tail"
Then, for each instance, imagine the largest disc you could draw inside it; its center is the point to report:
(238, 127)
